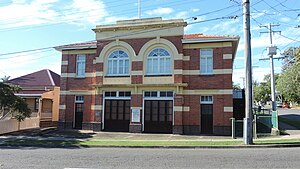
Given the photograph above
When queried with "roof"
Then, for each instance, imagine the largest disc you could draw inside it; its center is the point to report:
(43, 77)
(205, 38)
(84, 45)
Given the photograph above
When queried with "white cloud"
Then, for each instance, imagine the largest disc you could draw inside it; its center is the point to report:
(182, 15)
(285, 19)
(38, 12)
(90, 11)
(159, 11)
(195, 10)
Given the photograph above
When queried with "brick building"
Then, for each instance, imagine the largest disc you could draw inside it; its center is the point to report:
(145, 75)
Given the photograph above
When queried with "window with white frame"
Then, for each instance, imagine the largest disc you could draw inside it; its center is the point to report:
(158, 94)
(118, 63)
(117, 94)
(206, 61)
(159, 62)
(80, 66)
(206, 100)
(78, 99)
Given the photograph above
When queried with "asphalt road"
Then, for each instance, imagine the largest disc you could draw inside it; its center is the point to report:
(102, 158)
(282, 112)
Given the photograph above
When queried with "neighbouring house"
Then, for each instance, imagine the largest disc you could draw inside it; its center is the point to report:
(146, 75)
(41, 92)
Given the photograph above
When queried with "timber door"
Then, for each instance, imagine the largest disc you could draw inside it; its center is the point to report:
(117, 115)
(158, 116)
(206, 118)
(78, 115)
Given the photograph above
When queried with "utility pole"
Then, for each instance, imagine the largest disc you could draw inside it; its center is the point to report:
(272, 51)
(247, 134)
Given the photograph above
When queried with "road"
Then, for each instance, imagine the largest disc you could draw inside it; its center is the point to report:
(295, 112)
(102, 158)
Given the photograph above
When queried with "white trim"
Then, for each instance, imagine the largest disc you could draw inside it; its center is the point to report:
(51, 79)
(186, 58)
(28, 95)
(64, 62)
(222, 71)
(62, 107)
(181, 108)
(136, 72)
(208, 92)
(96, 107)
(227, 56)
(78, 92)
(228, 109)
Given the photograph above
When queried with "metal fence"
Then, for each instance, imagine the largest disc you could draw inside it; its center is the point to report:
(263, 122)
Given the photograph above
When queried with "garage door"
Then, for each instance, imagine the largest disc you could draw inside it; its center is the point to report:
(117, 115)
(158, 116)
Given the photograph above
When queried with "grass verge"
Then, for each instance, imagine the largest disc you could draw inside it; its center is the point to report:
(285, 141)
(292, 122)
(74, 143)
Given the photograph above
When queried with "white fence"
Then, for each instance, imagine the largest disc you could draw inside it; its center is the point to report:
(11, 125)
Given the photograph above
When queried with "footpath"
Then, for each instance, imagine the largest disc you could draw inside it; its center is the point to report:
(53, 138)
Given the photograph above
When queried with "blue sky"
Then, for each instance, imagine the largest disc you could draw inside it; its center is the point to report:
(33, 24)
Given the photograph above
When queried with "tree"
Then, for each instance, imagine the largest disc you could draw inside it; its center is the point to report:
(5, 79)
(236, 86)
(262, 90)
(15, 104)
(289, 80)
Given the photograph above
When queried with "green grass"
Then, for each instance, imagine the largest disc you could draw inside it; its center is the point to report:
(292, 122)
(60, 143)
(283, 141)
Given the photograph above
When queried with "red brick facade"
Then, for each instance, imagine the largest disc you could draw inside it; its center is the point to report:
(187, 87)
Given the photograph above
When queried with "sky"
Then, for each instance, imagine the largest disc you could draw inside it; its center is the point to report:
(42, 24)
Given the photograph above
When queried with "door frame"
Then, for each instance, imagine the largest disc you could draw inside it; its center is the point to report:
(75, 102)
(111, 98)
(210, 101)
(157, 98)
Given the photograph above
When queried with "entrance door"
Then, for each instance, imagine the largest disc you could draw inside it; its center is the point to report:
(117, 115)
(158, 116)
(206, 118)
(78, 115)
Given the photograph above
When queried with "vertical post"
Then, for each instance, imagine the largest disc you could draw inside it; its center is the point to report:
(139, 9)
(254, 127)
(247, 134)
(233, 128)
(273, 94)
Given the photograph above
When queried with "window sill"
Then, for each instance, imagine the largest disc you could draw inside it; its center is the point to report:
(79, 77)
(164, 75)
(206, 74)
(116, 76)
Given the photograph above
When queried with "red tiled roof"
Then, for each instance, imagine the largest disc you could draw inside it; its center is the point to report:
(43, 77)
(80, 44)
(200, 35)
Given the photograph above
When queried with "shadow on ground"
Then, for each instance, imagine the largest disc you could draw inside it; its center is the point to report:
(45, 138)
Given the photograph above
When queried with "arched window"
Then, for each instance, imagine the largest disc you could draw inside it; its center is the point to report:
(118, 63)
(159, 62)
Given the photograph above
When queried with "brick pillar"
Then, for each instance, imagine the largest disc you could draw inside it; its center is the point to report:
(136, 105)
(178, 114)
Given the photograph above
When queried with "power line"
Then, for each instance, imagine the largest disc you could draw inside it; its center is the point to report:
(91, 16)
(122, 35)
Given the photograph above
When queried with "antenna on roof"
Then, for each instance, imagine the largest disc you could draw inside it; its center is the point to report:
(139, 9)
